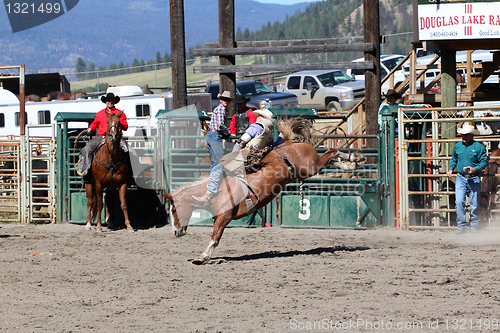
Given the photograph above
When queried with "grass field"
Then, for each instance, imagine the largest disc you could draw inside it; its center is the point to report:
(162, 77)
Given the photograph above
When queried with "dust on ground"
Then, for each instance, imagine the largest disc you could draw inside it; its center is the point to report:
(61, 278)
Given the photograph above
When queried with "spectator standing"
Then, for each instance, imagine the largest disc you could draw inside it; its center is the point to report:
(217, 131)
(470, 159)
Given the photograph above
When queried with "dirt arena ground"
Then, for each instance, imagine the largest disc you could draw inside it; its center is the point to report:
(60, 278)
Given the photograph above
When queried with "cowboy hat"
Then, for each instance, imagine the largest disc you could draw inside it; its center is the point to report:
(110, 95)
(466, 129)
(392, 92)
(264, 113)
(241, 99)
(226, 95)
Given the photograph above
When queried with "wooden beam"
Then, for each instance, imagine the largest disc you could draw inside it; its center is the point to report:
(227, 79)
(371, 30)
(436, 98)
(177, 45)
(292, 42)
(282, 67)
(357, 47)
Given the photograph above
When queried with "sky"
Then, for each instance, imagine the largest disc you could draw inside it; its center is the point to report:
(285, 2)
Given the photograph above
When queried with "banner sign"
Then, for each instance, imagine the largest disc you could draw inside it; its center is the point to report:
(441, 20)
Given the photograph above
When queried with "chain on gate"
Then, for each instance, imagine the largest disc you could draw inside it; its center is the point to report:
(301, 192)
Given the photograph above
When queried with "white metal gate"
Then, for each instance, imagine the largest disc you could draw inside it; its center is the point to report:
(38, 201)
(9, 180)
(425, 194)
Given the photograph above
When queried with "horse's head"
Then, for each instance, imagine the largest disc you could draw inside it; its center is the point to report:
(114, 132)
(179, 219)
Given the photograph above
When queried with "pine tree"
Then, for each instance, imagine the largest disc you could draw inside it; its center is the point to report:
(81, 67)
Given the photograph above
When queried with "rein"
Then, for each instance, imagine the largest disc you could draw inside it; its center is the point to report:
(292, 170)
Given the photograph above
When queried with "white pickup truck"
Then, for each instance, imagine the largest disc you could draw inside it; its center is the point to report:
(331, 90)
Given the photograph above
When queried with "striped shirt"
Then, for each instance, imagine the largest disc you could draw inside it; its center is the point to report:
(219, 118)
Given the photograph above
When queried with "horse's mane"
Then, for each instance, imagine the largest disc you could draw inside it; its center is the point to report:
(299, 128)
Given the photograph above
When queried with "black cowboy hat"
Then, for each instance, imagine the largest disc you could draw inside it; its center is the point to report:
(392, 92)
(110, 95)
(241, 99)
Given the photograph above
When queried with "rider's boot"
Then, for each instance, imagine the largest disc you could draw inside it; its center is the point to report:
(87, 178)
(206, 199)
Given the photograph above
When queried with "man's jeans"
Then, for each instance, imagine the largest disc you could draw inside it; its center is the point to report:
(462, 186)
(216, 150)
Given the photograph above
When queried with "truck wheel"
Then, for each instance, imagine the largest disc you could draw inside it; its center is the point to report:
(334, 106)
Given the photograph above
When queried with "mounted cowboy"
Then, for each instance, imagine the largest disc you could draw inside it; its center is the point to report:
(259, 135)
(100, 123)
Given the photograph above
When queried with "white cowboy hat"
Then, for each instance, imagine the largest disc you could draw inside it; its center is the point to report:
(264, 113)
(226, 95)
(466, 129)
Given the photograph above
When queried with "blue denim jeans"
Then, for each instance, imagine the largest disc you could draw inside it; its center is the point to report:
(473, 187)
(216, 150)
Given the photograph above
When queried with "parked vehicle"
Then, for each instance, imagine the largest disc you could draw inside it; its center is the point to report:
(387, 64)
(261, 95)
(461, 57)
(331, 90)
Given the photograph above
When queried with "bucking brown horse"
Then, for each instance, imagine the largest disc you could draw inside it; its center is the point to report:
(109, 170)
(291, 161)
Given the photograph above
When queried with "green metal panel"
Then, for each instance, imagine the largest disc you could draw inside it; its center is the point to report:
(313, 213)
(344, 211)
(78, 208)
(181, 114)
(295, 112)
(201, 217)
(145, 206)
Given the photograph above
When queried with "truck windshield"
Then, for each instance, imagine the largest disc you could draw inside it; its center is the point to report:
(332, 78)
(391, 63)
(254, 88)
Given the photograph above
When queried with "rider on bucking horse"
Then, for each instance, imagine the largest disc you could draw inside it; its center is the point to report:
(100, 123)
(259, 135)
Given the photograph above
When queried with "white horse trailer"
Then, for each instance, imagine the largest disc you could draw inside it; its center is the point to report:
(140, 109)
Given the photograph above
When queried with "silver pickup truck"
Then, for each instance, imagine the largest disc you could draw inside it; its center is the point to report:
(261, 96)
(330, 90)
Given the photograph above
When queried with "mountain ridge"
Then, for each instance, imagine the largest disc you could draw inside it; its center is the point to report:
(103, 34)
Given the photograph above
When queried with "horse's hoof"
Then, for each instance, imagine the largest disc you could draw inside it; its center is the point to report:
(201, 261)
(131, 230)
(88, 227)
(180, 233)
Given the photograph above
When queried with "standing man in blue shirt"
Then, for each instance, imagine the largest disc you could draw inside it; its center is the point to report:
(470, 158)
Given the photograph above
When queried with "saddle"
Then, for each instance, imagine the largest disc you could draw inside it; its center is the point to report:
(248, 160)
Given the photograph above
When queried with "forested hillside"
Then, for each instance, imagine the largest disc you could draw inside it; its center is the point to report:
(106, 32)
(338, 18)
